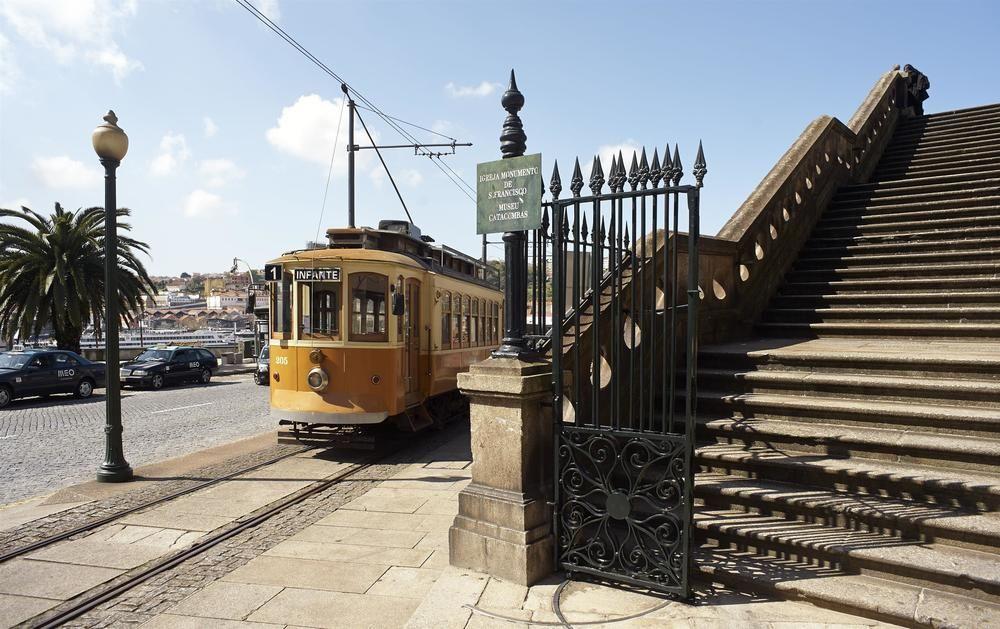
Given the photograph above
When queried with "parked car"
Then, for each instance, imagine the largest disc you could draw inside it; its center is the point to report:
(263, 374)
(44, 372)
(159, 366)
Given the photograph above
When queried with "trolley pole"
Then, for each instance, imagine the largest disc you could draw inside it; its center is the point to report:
(350, 155)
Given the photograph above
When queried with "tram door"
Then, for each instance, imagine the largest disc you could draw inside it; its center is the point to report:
(411, 324)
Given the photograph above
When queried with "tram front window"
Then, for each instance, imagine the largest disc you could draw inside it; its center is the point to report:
(368, 307)
(319, 310)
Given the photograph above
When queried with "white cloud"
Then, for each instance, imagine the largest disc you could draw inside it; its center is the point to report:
(270, 9)
(219, 172)
(173, 152)
(462, 91)
(9, 72)
(203, 204)
(210, 127)
(75, 29)
(307, 130)
(63, 172)
(608, 151)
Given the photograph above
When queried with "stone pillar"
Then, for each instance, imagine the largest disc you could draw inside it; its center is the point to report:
(504, 521)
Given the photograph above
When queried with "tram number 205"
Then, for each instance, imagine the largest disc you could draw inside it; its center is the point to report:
(281, 360)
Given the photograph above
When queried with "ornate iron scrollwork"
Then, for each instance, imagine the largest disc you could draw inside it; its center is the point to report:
(622, 508)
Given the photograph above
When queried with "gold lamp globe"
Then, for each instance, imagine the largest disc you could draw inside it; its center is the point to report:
(110, 142)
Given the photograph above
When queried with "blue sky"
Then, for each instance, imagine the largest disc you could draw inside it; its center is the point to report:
(231, 130)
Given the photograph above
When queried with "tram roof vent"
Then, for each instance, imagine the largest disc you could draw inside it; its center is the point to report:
(400, 227)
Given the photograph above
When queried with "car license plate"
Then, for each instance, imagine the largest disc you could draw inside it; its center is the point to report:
(124, 372)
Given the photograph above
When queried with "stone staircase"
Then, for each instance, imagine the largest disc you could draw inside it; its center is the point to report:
(850, 454)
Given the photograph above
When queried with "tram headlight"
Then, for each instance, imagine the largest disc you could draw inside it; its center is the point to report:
(317, 379)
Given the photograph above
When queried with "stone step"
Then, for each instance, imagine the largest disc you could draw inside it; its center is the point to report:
(826, 257)
(934, 329)
(944, 186)
(900, 285)
(883, 600)
(896, 186)
(968, 195)
(943, 299)
(937, 390)
(922, 153)
(848, 270)
(898, 228)
(915, 236)
(959, 133)
(943, 419)
(899, 247)
(936, 450)
(970, 573)
(857, 314)
(942, 149)
(938, 161)
(908, 520)
(937, 360)
(973, 490)
(943, 210)
(972, 165)
(909, 139)
(957, 116)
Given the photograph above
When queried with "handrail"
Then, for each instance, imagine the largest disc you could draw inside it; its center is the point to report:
(765, 235)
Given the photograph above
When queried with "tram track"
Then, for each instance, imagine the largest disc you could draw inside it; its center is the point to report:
(117, 515)
(86, 603)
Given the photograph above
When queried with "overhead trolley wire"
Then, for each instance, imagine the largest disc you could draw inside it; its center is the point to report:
(391, 180)
(329, 173)
(389, 120)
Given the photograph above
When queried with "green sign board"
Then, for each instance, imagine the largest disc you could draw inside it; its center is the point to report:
(509, 195)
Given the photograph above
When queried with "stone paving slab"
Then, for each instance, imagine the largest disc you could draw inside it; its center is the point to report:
(307, 573)
(375, 555)
(43, 579)
(336, 610)
(17, 514)
(232, 601)
(16, 609)
(406, 582)
(167, 519)
(172, 621)
(373, 520)
(105, 554)
(361, 537)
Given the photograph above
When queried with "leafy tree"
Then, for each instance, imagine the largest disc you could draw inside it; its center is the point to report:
(52, 273)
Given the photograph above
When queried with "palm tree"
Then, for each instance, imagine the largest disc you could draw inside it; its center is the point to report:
(52, 273)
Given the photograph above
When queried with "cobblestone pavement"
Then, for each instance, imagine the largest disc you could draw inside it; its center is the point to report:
(47, 444)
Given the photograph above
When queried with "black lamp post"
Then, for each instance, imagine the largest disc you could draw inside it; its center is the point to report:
(513, 144)
(111, 144)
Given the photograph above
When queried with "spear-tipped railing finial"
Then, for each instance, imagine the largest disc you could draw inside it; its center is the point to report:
(700, 168)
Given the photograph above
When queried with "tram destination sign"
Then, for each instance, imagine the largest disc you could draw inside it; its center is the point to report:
(509, 195)
(331, 274)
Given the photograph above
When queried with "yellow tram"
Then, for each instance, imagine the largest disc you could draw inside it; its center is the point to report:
(375, 328)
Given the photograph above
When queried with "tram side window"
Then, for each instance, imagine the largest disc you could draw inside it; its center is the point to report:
(456, 316)
(445, 320)
(496, 323)
(319, 309)
(489, 324)
(466, 320)
(281, 305)
(368, 296)
(474, 330)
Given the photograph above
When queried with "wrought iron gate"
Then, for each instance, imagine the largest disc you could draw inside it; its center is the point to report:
(621, 322)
